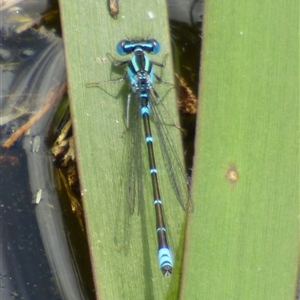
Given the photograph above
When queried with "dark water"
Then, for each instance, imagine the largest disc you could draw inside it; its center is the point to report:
(25, 272)
(36, 258)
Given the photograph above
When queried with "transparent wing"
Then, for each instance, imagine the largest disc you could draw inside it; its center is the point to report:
(171, 155)
(133, 162)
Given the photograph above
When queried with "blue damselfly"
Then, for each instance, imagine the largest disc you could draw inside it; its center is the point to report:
(140, 74)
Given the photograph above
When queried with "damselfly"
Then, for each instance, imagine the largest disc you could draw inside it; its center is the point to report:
(140, 73)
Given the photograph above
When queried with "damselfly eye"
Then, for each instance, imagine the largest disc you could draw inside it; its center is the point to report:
(155, 46)
(121, 47)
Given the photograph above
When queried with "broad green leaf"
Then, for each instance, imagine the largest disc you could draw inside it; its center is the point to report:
(123, 247)
(242, 239)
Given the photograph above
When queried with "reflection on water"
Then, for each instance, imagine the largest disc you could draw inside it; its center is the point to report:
(37, 260)
(25, 273)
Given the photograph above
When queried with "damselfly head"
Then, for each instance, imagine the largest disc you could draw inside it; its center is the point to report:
(125, 47)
